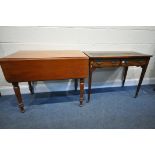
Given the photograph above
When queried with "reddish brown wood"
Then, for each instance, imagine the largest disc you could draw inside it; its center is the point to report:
(18, 95)
(81, 91)
(40, 70)
(90, 78)
(30, 66)
(46, 54)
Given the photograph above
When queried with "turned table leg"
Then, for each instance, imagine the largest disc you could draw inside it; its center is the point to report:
(18, 95)
(124, 75)
(81, 91)
(141, 79)
(31, 87)
(76, 84)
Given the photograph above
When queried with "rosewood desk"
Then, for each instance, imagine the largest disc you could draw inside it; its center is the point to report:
(29, 66)
(116, 59)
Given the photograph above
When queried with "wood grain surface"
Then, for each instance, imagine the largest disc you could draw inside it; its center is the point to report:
(114, 54)
(46, 55)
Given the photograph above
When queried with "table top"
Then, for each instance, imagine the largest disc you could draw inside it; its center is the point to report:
(56, 54)
(114, 54)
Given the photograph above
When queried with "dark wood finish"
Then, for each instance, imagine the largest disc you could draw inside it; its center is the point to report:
(144, 68)
(124, 75)
(76, 84)
(115, 54)
(106, 63)
(27, 66)
(31, 87)
(18, 95)
(0, 94)
(90, 78)
(117, 59)
(81, 91)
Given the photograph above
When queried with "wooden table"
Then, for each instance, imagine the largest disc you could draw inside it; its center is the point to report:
(116, 59)
(28, 66)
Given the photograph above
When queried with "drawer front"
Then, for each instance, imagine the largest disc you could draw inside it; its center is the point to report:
(106, 63)
(134, 62)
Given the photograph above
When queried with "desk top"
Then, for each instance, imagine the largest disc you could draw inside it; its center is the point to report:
(114, 54)
(57, 54)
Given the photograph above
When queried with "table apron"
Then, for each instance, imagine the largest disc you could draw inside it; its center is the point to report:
(100, 63)
(33, 70)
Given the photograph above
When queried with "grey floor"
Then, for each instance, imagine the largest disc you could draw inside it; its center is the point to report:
(109, 108)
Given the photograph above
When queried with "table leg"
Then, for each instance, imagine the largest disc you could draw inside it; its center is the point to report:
(124, 75)
(81, 91)
(18, 95)
(141, 79)
(89, 82)
(76, 84)
(31, 87)
(0, 94)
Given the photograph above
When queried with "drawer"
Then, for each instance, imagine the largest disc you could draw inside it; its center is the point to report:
(134, 62)
(106, 63)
